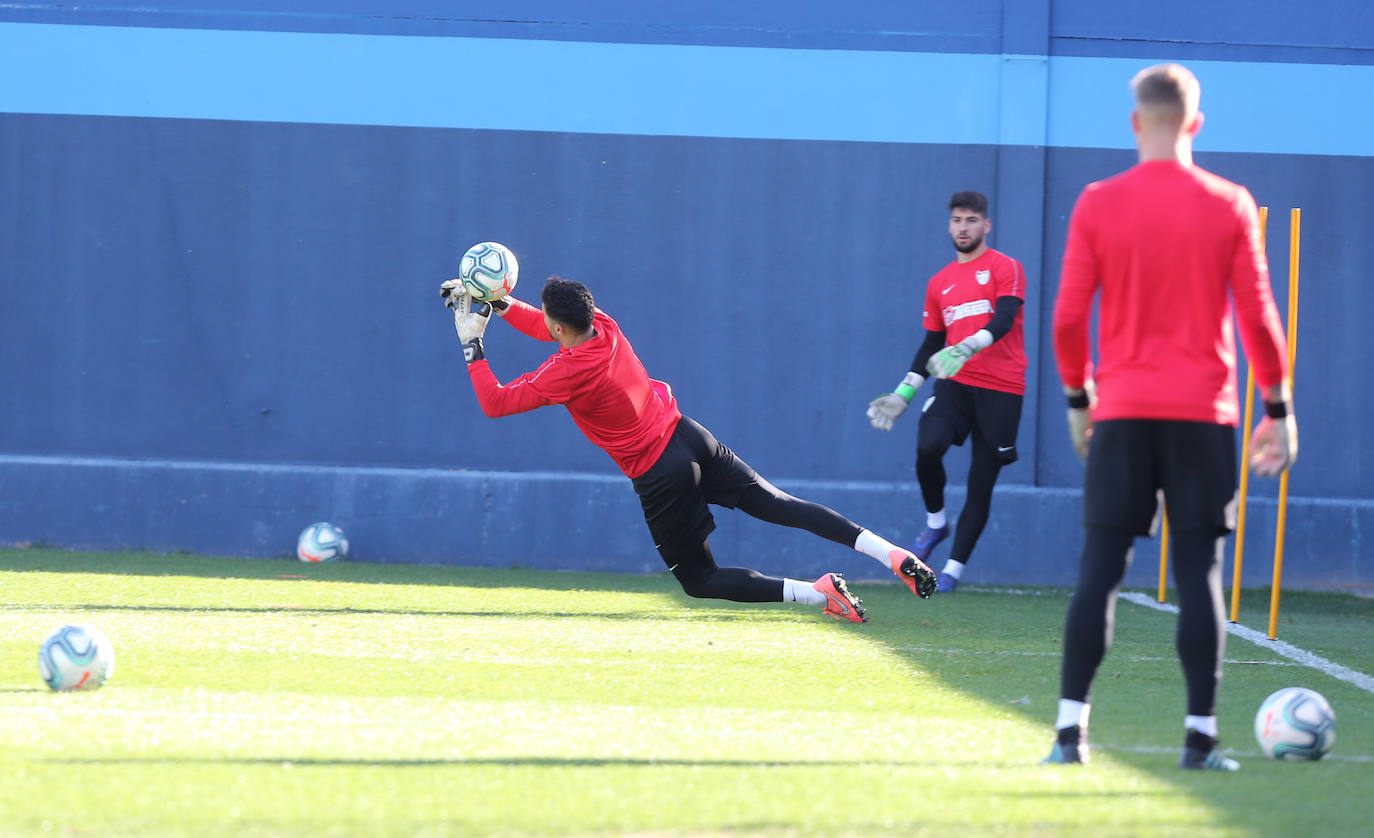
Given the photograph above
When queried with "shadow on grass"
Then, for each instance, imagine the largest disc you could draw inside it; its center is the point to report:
(1005, 650)
(720, 613)
(558, 762)
(41, 560)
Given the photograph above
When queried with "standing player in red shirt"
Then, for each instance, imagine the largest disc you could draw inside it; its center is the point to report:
(1171, 247)
(974, 347)
(676, 465)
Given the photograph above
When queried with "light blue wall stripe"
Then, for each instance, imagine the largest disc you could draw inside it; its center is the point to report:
(1248, 106)
(505, 84)
(674, 90)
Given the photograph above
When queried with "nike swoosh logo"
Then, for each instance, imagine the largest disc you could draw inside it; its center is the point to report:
(1005, 447)
(947, 290)
(844, 606)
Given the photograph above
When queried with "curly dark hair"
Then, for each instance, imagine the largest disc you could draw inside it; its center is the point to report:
(568, 302)
(975, 201)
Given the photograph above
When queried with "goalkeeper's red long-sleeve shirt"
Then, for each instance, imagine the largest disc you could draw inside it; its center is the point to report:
(602, 383)
(1166, 243)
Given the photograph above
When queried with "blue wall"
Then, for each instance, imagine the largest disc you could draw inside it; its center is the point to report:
(219, 258)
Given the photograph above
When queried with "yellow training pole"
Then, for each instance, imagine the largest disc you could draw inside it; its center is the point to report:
(1164, 556)
(1245, 456)
(1294, 243)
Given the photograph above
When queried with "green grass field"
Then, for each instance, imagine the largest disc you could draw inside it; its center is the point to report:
(269, 697)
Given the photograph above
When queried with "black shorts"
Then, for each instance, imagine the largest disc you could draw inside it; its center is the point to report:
(694, 470)
(1130, 461)
(994, 415)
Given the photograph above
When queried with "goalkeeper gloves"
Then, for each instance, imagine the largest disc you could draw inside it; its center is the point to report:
(1274, 444)
(948, 361)
(1081, 403)
(452, 289)
(470, 322)
(884, 410)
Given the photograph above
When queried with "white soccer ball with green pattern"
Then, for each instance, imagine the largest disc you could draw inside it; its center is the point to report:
(1295, 723)
(321, 542)
(76, 657)
(488, 271)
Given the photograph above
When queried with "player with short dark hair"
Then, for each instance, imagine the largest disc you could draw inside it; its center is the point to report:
(676, 465)
(1170, 246)
(974, 349)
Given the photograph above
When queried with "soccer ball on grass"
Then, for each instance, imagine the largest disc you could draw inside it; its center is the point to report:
(1295, 723)
(75, 657)
(488, 271)
(321, 542)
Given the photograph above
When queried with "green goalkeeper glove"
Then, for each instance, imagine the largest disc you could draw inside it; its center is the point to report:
(884, 410)
(948, 361)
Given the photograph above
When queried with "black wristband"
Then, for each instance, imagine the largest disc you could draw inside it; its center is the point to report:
(1276, 410)
(1079, 400)
(472, 351)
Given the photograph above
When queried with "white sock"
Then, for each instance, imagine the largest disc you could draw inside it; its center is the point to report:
(1202, 724)
(877, 547)
(1072, 713)
(794, 591)
(935, 520)
(953, 568)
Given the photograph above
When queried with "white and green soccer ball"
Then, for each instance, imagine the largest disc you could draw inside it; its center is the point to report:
(76, 657)
(488, 271)
(1295, 723)
(321, 542)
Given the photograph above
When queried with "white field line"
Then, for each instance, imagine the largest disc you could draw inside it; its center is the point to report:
(1156, 749)
(998, 653)
(1278, 647)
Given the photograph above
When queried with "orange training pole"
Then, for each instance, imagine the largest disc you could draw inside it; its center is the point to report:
(1164, 556)
(1294, 245)
(1245, 457)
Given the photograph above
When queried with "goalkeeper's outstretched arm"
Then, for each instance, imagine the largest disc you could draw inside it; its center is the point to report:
(526, 318)
(884, 410)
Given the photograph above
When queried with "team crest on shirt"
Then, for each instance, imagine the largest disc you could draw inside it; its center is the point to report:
(983, 277)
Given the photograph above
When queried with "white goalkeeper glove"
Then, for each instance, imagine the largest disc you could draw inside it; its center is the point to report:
(1274, 444)
(1081, 404)
(470, 321)
(452, 289)
(884, 410)
(948, 361)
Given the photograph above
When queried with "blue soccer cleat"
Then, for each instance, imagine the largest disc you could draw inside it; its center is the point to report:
(1201, 753)
(1070, 747)
(946, 584)
(926, 541)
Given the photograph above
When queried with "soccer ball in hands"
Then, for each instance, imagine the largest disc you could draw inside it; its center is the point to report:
(76, 657)
(1295, 723)
(488, 271)
(322, 542)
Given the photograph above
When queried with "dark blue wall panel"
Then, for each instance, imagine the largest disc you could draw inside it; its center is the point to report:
(255, 292)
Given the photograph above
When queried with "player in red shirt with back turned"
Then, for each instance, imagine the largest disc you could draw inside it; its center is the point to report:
(975, 350)
(676, 465)
(1171, 248)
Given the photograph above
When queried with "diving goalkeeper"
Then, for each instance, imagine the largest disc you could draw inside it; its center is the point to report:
(677, 467)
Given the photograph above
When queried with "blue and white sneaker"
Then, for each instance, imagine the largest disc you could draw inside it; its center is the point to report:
(946, 584)
(926, 541)
(1070, 747)
(1201, 753)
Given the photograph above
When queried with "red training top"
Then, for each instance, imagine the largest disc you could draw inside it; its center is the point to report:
(1166, 242)
(601, 381)
(961, 299)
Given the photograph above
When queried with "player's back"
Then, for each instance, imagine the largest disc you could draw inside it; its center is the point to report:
(614, 401)
(1165, 238)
